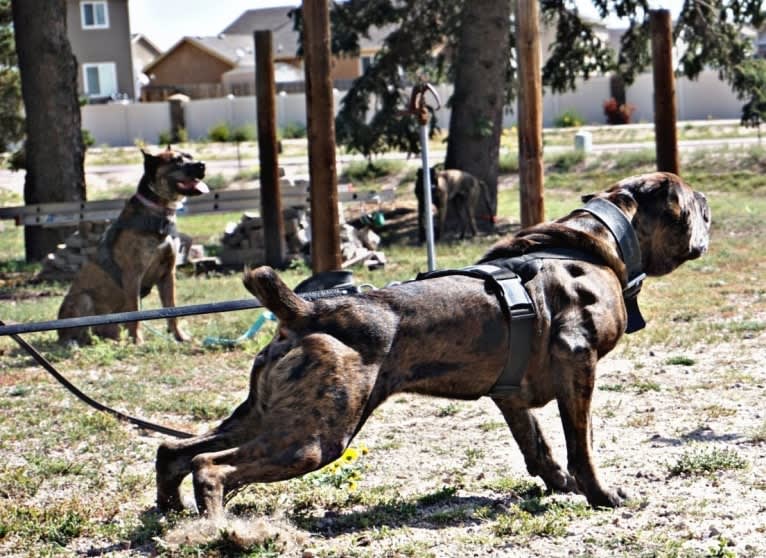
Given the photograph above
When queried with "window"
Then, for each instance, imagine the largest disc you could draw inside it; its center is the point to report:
(99, 80)
(95, 15)
(366, 62)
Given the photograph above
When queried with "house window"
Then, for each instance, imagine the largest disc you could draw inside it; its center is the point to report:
(95, 15)
(99, 80)
(366, 63)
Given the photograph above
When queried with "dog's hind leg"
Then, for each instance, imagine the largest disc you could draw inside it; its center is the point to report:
(174, 458)
(537, 454)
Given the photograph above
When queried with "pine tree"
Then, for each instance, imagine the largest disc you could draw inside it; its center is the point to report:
(425, 39)
(11, 119)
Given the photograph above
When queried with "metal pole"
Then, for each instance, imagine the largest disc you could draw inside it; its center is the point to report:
(419, 108)
(430, 248)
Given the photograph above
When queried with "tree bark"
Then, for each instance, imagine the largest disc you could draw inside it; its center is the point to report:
(476, 120)
(55, 152)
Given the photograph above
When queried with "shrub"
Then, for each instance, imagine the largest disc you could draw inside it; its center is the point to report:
(243, 133)
(293, 130)
(166, 137)
(87, 138)
(569, 119)
(617, 113)
(219, 132)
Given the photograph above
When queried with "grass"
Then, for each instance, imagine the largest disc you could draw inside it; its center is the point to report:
(71, 477)
(706, 461)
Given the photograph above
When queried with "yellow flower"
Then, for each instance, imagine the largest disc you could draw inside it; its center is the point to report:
(350, 455)
(351, 486)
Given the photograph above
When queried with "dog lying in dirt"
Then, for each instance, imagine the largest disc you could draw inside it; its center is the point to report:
(333, 361)
(451, 191)
(137, 251)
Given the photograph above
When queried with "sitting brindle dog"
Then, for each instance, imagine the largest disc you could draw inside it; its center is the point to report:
(452, 191)
(137, 251)
(333, 361)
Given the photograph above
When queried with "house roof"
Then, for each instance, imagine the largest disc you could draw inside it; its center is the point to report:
(147, 44)
(234, 50)
(278, 21)
(235, 44)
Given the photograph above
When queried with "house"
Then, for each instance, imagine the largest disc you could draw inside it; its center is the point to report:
(99, 33)
(217, 66)
(144, 52)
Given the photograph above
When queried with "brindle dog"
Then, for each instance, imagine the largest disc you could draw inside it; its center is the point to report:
(455, 191)
(137, 251)
(333, 361)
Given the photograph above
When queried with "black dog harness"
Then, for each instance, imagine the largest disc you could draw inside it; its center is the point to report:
(162, 225)
(506, 279)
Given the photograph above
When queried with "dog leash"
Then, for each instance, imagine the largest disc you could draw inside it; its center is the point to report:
(13, 331)
(46, 364)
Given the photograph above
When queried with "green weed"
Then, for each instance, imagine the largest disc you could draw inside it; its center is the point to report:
(705, 461)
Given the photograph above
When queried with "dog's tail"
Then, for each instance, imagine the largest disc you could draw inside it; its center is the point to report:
(264, 283)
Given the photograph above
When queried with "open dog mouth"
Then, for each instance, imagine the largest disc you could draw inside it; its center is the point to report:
(192, 187)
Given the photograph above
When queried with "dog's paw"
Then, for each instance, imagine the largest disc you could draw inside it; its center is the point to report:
(608, 498)
(181, 336)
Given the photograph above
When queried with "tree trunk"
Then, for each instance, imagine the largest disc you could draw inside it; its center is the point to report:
(54, 148)
(477, 102)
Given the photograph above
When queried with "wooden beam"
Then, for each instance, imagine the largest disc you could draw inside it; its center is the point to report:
(325, 226)
(530, 112)
(271, 204)
(666, 140)
(223, 201)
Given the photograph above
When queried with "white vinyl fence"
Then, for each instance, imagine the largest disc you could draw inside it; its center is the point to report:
(123, 124)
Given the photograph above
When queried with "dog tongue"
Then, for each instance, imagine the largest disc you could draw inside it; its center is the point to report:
(194, 186)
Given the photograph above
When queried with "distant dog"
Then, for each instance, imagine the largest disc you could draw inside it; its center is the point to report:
(137, 251)
(451, 191)
(334, 360)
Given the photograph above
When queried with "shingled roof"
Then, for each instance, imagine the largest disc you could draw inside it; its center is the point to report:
(277, 20)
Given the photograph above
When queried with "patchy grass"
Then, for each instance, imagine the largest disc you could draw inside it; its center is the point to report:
(706, 461)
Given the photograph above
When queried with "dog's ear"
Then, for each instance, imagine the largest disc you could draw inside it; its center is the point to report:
(150, 161)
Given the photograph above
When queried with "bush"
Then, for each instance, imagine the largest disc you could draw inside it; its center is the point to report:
(568, 119)
(87, 138)
(219, 132)
(243, 133)
(293, 131)
(617, 113)
(166, 137)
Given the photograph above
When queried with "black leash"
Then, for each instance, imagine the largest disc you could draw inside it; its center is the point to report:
(45, 363)
(120, 317)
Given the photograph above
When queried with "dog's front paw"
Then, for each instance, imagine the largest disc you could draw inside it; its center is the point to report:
(180, 335)
(608, 498)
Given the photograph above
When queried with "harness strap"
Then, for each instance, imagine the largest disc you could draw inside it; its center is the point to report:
(162, 225)
(518, 309)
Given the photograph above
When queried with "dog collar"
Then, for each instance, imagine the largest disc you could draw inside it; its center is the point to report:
(169, 210)
(630, 251)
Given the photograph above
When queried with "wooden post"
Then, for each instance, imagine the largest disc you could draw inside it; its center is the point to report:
(325, 226)
(666, 142)
(271, 200)
(530, 111)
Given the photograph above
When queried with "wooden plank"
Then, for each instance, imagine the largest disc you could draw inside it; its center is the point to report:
(225, 201)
